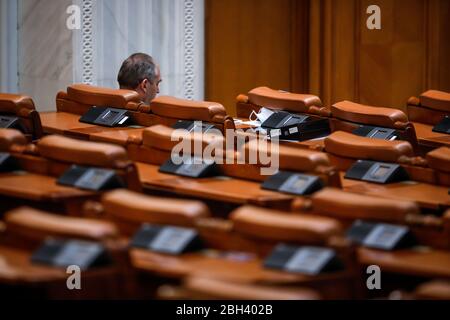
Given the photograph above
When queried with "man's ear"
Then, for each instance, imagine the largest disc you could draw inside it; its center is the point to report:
(143, 85)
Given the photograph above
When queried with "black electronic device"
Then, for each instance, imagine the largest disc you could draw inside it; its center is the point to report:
(64, 253)
(378, 172)
(377, 133)
(296, 127)
(95, 179)
(293, 183)
(194, 126)
(166, 239)
(307, 260)
(7, 162)
(192, 167)
(380, 235)
(443, 126)
(108, 117)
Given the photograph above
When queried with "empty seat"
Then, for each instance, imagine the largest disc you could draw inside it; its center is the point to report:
(364, 120)
(45, 162)
(349, 207)
(431, 189)
(426, 112)
(19, 112)
(129, 210)
(26, 229)
(172, 109)
(278, 100)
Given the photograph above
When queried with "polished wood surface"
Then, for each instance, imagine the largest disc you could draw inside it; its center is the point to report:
(378, 67)
(426, 195)
(250, 43)
(224, 189)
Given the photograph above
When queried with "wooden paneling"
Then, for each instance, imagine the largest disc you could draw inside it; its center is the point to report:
(324, 47)
(251, 43)
(409, 55)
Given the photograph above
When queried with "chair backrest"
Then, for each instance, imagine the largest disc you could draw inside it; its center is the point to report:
(347, 207)
(10, 138)
(34, 226)
(171, 109)
(369, 115)
(430, 107)
(279, 100)
(344, 205)
(80, 97)
(53, 155)
(269, 225)
(22, 106)
(348, 116)
(129, 210)
(81, 152)
(345, 148)
(345, 145)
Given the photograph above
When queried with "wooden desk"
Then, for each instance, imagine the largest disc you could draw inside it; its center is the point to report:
(427, 137)
(16, 268)
(426, 195)
(40, 189)
(68, 124)
(336, 285)
(119, 137)
(431, 263)
(222, 189)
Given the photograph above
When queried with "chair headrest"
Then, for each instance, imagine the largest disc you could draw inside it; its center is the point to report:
(37, 224)
(135, 207)
(375, 116)
(10, 137)
(437, 100)
(98, 96)
(81, 152)
(352, 146)
(12, 103)
(160, 137)
(266, 97)
(187, 109)
(280, 226)
(290, 158)
(221, 289)
(341, 204)
(439, 159)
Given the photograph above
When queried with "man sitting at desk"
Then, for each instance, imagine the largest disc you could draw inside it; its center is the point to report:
(140, 73)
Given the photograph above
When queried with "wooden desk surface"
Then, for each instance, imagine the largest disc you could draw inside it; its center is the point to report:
(68, 124)
(16, 268)
(119, 137)
(217, 188)
(60, 122)
(247, 270)
(32, 186)
(426, 136)
(426, 195)
(430, 263)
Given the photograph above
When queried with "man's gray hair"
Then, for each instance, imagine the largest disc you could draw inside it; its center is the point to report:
(134, 69)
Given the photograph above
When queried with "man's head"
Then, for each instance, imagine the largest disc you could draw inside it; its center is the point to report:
(140, 73)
